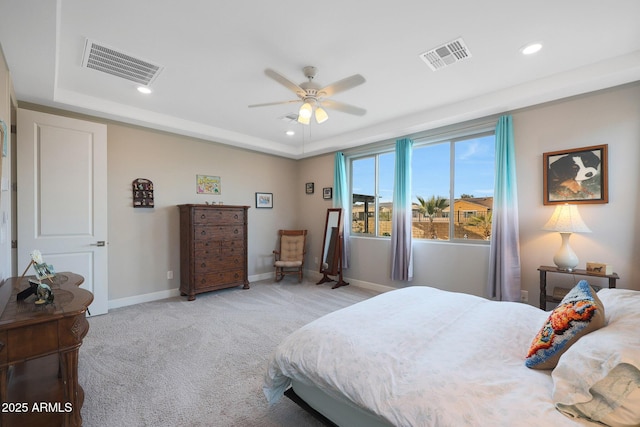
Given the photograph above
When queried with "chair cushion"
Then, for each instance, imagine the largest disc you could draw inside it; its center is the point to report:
(292, 248)
(288, 263)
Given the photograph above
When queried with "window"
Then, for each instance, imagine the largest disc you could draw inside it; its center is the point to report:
(443, 170)
(372, 194)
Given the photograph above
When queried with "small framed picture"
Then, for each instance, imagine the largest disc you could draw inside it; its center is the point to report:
(264, 200)
(206, 184)
(327, 192)
(577, 175)
(309, 187)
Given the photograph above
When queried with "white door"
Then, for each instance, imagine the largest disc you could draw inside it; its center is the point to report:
(62, 198)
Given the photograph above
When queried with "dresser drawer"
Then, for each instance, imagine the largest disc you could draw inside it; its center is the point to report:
(218, 232)
(220, 261)
(215, 245)
(219, 278)
(214, 216)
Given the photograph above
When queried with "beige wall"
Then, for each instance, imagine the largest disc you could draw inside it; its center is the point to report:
(607, 117)
(5, 172)
(144, 243)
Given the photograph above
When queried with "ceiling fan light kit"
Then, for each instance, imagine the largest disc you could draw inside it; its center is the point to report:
(321, 115)
(314, 98)
(305, 110)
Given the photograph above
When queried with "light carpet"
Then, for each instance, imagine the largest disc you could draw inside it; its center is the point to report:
(199, 363)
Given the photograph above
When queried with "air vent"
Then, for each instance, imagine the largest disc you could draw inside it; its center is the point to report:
(291, 117)
(445, 55)
(119, 64)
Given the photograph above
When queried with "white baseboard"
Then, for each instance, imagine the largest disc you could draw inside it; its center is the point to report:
(368, 285)
(357, 283)
(261, 276)
(138, 299)
(154, 296)
(313, 275)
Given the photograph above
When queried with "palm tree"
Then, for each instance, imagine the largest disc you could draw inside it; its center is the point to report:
(430, 208)
(483, 222)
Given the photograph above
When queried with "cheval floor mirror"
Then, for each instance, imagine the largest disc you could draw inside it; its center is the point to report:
(332, 246)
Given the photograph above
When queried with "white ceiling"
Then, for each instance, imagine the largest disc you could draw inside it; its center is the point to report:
(214, 54)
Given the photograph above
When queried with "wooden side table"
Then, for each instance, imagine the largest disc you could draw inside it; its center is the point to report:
(39, 347)
(544, 269)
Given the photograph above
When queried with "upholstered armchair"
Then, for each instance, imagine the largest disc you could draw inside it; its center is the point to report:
(289, 258)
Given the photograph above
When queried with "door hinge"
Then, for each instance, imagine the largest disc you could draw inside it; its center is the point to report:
(14, 244)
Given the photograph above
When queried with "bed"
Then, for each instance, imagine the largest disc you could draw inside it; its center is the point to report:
(421, 356)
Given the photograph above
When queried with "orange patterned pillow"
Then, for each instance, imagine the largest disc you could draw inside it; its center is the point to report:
(579, 313)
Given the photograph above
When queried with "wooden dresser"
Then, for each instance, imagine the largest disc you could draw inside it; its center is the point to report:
(213, 248)
(39, 350)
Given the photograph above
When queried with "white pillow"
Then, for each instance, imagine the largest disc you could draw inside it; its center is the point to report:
(599, 376)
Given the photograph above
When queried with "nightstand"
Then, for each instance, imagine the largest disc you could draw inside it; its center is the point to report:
(544, 269)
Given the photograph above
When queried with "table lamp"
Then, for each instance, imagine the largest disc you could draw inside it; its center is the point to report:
(566, 220)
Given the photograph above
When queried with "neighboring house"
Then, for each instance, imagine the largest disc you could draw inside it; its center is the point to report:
(464, 209)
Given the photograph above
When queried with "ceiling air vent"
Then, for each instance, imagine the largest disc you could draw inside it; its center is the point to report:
(291, 117)
(119, 64)
(445, 55)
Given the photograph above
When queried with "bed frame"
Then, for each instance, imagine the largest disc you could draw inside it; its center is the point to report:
(330, 411)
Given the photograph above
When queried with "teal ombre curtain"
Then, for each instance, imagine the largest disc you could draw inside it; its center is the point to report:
(341, 200)
(504, 258)
(401, 259)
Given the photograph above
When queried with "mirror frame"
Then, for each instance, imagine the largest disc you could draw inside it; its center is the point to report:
(332, 264)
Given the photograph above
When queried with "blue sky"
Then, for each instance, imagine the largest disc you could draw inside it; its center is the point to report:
(474, 165)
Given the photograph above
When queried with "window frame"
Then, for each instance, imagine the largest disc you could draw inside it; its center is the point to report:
(376, 155)
(451, 134)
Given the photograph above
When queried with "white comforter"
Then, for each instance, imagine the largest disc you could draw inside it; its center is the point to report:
(420, 356)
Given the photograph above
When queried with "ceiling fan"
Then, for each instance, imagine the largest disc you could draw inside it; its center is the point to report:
(314, 97)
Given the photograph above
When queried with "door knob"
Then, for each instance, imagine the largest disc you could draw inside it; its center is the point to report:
(99, 243)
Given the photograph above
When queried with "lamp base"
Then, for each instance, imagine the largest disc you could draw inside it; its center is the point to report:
(565, 259)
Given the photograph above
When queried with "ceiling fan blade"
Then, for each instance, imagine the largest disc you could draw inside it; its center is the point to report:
(285, 82)
(274, 103)
(341, 85)
(341, 106)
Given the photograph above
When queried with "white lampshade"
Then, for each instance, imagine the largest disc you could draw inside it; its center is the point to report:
(303, 120)
(321, 115)
(305, 113)
(566, 220)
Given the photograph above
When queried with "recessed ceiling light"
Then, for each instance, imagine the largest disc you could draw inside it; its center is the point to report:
(290, 132)
(144, 89)
(531, 48)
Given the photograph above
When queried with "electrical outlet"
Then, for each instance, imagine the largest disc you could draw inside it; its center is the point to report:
(170, 274)
(524, 296)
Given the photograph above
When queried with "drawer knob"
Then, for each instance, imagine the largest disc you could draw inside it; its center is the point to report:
(235, 216)
(204, 264)
(203, 216)
(235, 231)
(203, 232)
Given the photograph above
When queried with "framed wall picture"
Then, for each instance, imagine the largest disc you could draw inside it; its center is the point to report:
(327, 192)
(309, 187)
(206, 184)
(264, 200)
(577, 175)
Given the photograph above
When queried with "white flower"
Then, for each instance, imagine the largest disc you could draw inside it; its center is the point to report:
(36, 256)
